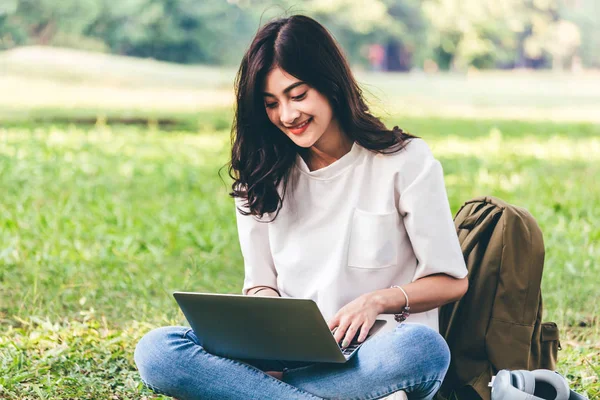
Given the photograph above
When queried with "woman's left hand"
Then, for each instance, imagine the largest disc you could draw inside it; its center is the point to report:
(360, 313)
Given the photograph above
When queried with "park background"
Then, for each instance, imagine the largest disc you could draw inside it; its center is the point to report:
(114, 130)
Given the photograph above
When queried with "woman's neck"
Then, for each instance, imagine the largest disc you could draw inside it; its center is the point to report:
(333, 144)
(320, 156)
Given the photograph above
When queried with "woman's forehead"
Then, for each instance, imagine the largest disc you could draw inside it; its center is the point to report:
(279, 82)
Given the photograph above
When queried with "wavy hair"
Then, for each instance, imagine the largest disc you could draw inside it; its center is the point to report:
(261, 155)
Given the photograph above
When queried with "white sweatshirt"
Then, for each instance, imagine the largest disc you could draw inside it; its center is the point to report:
(365, 222)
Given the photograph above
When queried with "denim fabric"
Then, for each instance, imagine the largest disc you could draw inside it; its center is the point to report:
(412, 357)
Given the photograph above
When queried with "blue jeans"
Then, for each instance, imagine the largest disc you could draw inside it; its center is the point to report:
(412, 357)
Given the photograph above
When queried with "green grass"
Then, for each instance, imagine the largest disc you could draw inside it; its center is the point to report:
(101, 223)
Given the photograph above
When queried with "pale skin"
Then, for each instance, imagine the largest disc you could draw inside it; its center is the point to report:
(290, 102)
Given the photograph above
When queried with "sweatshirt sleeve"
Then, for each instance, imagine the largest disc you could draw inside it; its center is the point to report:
(424, 205)
(259, 268)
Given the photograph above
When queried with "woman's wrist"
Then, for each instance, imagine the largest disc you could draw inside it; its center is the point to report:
(387, 301)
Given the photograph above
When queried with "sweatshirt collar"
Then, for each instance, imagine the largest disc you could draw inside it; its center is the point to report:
(333, 169)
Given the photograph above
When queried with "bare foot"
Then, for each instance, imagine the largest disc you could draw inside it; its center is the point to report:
(275, 374)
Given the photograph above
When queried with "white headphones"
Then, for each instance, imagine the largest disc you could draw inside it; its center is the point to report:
(540, 384)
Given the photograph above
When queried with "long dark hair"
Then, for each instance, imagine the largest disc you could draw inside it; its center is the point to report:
(261, 155)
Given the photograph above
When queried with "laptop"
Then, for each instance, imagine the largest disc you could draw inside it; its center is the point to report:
(264, 327)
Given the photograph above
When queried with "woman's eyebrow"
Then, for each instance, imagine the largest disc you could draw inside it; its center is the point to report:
(287, 89)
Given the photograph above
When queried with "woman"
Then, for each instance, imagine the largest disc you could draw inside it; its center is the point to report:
(334, 207)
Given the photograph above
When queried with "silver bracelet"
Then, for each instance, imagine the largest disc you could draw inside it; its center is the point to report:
(405, 311)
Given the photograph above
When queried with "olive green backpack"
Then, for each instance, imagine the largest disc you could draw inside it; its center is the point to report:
(497, 324)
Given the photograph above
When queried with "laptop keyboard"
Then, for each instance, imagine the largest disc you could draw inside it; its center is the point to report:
(348, 350)
(352, 346)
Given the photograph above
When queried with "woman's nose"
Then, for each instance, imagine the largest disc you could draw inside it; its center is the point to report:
(289, 115)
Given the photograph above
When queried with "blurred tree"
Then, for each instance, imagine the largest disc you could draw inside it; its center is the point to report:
(185, 31)
(46, 18)
(12, 33)
(450, 34)
(511, 33)
(397, 24)
(586, 15)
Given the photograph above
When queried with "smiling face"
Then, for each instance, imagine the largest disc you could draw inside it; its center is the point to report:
(289, 102)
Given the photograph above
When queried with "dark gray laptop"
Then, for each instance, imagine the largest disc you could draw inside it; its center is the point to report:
(262, 327)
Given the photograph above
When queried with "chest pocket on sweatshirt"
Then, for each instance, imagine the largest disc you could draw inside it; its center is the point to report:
(374, 239)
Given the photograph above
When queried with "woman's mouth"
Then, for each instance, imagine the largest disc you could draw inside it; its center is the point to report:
(301, 128)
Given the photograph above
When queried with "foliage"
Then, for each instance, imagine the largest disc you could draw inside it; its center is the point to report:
(512, 33)
(455, 34)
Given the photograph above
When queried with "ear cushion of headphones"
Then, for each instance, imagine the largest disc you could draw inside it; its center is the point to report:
(523, 380)
(550, 385)
(503, 389)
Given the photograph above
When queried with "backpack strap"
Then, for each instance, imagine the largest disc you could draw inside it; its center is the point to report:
(482, 220)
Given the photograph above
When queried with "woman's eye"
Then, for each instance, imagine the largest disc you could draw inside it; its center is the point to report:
(299, 97)
(302, 96)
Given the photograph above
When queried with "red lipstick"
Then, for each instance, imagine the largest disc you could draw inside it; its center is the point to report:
(300, 130)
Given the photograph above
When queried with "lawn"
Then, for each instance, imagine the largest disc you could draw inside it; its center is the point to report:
(101, 221)
(101, 224)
